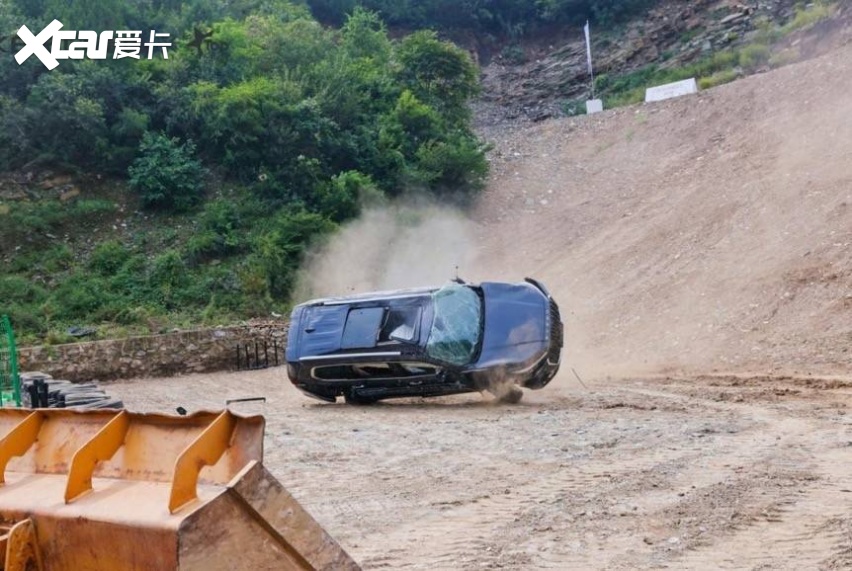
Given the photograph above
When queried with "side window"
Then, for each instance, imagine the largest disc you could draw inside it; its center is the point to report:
(400, 324)
(362, 326)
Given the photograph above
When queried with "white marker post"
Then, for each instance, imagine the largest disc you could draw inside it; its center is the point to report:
(592, 105)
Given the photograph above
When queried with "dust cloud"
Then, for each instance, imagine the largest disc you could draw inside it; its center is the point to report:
(411, 243)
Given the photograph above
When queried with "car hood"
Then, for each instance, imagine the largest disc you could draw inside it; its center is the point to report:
(515, 324)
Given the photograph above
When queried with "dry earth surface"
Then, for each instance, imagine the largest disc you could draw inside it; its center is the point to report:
(680, 473)
(689, 239)
(707, 233)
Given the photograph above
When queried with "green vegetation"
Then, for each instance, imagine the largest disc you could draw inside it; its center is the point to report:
(806, 17)
(166, 173)
(753, 56)
(239, 151)
(512, 18)
(573, 107)
(718, 78)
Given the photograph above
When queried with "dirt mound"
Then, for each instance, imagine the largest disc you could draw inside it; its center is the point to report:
(709, 233)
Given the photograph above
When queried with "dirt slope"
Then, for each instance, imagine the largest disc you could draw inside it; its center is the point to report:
(707, 233)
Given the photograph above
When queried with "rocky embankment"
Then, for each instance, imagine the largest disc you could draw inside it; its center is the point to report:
(532, 80)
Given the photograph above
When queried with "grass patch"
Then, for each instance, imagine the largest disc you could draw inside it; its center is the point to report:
(50, 216)
(754, 56)
(218, 265)
(809, 16)
(718, 78)
(574, 107)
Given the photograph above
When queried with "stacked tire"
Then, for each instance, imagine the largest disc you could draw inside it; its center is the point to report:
(40, 390)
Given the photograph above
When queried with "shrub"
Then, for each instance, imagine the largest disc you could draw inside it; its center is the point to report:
(807, 17)
(718, 78)
(17, 289)
(166, 173)
(168, 278)
(456, 166)
(513, 53)
(108, 257)
(636, 95)
(80, 297)
(26, 321)
(574, 107)
(754, 56)
(343, 197)
(37, 258)
(168, 270)
(56, 259)
(27, 218)
(725, 59)
(218, 230)
(784, 57)
(14, 140)
(438, 73)
(279, 247)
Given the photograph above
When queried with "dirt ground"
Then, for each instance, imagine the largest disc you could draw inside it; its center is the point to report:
(699, 473)
(686, 240)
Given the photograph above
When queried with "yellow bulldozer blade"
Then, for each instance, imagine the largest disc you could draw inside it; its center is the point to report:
(120, 491)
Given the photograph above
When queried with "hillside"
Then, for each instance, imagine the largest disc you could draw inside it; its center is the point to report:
(141, 195)
(546, 74)
(707, 233)
(262, 163)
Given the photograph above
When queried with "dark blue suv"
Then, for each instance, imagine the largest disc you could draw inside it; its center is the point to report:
(426, 342)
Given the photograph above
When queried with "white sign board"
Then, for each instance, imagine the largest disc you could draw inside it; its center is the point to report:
(669, 90)
(594, 106)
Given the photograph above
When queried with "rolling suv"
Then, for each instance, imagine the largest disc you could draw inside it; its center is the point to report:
(426, 342)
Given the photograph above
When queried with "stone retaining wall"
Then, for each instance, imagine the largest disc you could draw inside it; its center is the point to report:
(169, 354)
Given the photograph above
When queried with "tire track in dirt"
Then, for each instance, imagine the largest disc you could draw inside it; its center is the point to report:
(497, 526)
(805, 521)
(809, 530)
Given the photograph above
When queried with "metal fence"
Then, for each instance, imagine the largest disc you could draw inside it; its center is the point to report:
(259, 354)
(10, 381)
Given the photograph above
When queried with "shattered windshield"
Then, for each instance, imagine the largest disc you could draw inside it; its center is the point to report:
(456, 325)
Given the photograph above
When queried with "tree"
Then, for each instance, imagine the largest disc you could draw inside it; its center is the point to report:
(438, 73)
(65, 122)
(364, 36)
(166, 173)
